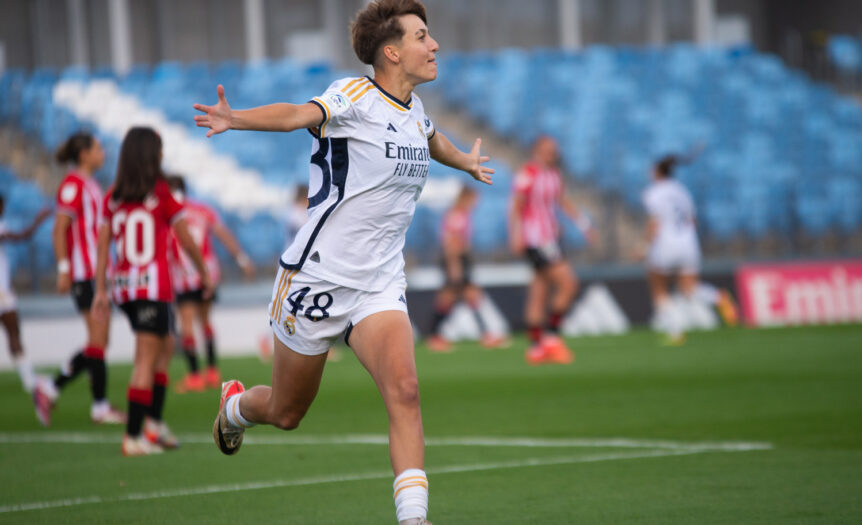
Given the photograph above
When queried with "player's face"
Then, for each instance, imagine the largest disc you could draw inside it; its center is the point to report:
(417, 50)
(546, 152)
(94, 157)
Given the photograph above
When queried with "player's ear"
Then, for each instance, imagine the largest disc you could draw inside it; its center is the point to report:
(391, 52)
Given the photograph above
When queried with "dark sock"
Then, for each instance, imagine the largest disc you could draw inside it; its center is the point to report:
(98, 372)
(191, 353)
(160, 386)
(535, 333)
(209, 336)
(76, 365)
(439, 317)
(554, 322)
(139, 403)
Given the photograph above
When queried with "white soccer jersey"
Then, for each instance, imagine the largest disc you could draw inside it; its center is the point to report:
(368, 167)
(675, 245)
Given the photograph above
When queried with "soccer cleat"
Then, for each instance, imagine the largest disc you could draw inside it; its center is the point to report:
(192, 382)
(673, 340)
(228, 438)
(43, 404)
(107, 416)
(557, 350)
(491, 341)
(157, 432)
(437, 343)
(212, 377)
(537, 355)
(727, 308)
(139, 446)
(415, 521)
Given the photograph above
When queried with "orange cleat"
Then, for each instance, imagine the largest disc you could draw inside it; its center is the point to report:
(727, 308)
(438, 343)
(557, 350)
(537, 355)
(493, 341)
(213, 377)
(228, 438)
(192, 382)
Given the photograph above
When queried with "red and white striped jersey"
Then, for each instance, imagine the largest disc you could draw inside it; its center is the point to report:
(541, 190)
(200, 220)
(457, 224)
(140, 234)
(80, 198)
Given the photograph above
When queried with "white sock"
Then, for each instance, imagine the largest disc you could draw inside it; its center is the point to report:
(100, 407)
(670, 321)
(25, 372)
(411, 494)
(234, 416)
(706, 293)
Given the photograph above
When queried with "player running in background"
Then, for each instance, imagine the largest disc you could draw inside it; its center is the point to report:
(138, 214)
(79, 204)
(534, 231)
(674, 249)
(203, 222)
(457, 264)
(344, 273)
(8, 302)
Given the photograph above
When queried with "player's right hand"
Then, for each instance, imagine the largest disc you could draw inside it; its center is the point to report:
(64, 283)
(516, 245)
(101, 306)
(217, 118)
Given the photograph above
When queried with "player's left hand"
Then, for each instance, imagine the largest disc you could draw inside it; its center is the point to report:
(476, 170)
(207, 287)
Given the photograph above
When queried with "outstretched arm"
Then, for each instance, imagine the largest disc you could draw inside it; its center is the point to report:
(273, 117)
(444, 152)
(28, 232)
(581, 220)
(229, 241)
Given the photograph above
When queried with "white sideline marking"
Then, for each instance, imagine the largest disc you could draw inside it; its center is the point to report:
(259, 485)
(88, 438)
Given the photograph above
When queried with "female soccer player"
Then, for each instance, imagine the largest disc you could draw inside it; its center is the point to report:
(8, 302)
(138, 212)
(79, 203)
(202, 221)
(344, 273)
(457, 265)
(674, 249)
(533, 230)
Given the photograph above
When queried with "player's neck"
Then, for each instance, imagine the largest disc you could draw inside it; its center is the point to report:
(394, 84)
(84, 171)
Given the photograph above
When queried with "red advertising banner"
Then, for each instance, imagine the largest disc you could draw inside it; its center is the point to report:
(801, 293)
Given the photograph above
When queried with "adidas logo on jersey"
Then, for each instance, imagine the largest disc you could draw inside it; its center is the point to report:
(390, 127)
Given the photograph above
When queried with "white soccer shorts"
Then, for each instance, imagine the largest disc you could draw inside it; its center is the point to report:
(674, 255)
(308, 314)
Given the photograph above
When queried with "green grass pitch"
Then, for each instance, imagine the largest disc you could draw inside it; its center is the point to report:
(737, 426)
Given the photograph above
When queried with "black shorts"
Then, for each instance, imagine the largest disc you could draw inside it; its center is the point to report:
(543, 256)
(466, 272)
(194, 296)
(154, 317)
(82, 294)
